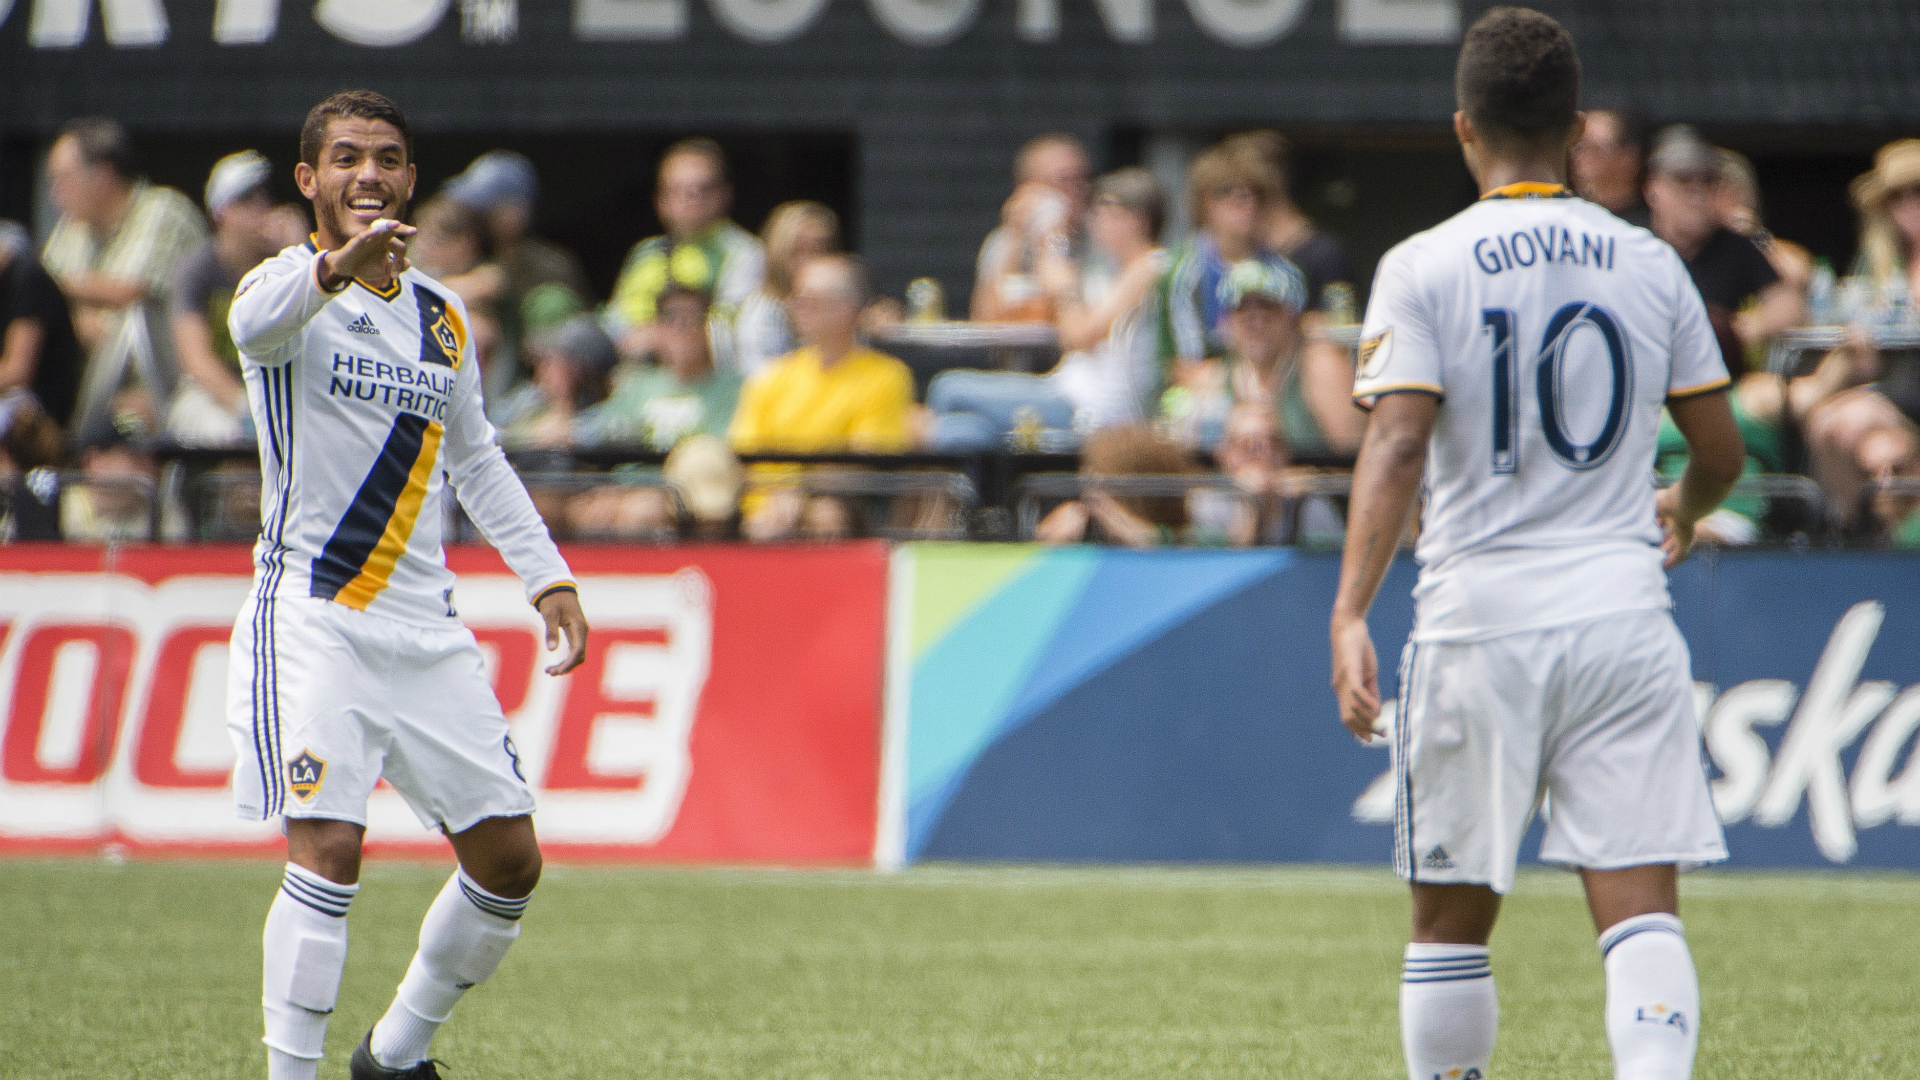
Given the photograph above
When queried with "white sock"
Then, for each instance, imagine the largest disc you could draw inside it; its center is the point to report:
(1448, 1012)
(304, 950)
(463, 938)
(1653, 998)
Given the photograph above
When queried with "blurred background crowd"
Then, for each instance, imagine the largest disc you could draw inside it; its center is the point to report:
(1136, 365)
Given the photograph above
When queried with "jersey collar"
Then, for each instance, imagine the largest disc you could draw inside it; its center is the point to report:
(1528, 189)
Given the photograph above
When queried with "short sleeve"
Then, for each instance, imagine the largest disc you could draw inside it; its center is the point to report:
(1399, 351)
(1696, 364)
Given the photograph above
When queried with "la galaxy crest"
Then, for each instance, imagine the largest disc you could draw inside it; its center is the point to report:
(439, 341)
(305, 775)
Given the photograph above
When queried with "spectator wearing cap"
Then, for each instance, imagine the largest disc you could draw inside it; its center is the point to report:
(211, 405)
(1746, 301)
(563, 404)
(38, 349)
(503, 188)
(683, 394)
(1608, 164)
(114, 498)
(1231, 192)
(114, 252)
(1268, 364)
(700, 249)
(1110, 372)
(1052, 181)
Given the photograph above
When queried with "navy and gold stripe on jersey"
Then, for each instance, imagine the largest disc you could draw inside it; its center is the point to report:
(360, 556)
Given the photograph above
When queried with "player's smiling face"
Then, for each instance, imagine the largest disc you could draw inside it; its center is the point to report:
(363, 176)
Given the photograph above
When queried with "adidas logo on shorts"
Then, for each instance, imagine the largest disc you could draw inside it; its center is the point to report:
(363, 325)
(1437, 859)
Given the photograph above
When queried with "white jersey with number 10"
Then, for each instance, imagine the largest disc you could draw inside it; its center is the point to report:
(1553, 333)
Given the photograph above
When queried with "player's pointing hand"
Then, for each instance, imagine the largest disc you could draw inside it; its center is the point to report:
(562, 612)
(1356, 676)
(378, 253)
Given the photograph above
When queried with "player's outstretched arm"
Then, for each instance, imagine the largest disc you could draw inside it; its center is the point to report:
(1393, 457)
(284, 293)
(1716, 455)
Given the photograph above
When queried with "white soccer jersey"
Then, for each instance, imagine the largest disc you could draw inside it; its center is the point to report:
(1553, 333)
(367, 404)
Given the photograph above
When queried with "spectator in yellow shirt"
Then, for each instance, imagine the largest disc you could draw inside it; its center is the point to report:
(832, 395)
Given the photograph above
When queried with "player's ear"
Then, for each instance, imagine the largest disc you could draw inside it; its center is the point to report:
(413, 177)
(306, 179)
(1463, 128)
(1578, 131)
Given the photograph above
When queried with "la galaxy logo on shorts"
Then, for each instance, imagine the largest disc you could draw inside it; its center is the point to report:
(304, 775)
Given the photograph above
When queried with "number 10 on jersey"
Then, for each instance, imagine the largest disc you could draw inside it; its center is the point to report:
(1549, 373)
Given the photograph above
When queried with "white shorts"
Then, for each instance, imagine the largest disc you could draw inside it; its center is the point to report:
(1596, 720)
(324, 700)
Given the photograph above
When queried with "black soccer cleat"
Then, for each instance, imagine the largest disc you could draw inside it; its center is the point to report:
(365, 1067)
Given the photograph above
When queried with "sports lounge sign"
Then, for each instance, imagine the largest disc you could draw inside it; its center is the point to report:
(64, 24)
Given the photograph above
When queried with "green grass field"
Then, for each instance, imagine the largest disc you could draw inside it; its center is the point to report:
(151, 970)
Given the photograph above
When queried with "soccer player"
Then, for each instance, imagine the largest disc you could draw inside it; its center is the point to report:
(1517, 357)
(349, 663)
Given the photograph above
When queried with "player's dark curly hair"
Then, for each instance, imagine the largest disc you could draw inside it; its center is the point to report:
(1519, 77)
(360, 104)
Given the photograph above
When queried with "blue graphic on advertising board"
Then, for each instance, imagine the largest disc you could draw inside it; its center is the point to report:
(1086, 704)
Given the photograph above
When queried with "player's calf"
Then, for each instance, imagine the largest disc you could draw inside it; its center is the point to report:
(465, 935)
(1653, 998)
(305, 951)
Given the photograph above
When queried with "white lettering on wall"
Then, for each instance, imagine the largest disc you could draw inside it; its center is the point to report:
(767, 21)
(245, 22)
(1247, 24)
(379, 24)
(1743, 756)
(62, 24)
(1130, 21)
(629, 20)
(925, 23)
(489, 22)
(1399, 22)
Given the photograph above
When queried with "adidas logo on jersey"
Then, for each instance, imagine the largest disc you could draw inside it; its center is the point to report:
(1437, 859)
(363, 325)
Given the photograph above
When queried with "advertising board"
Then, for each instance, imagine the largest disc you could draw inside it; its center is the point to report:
(1089, 704)
(728, 709)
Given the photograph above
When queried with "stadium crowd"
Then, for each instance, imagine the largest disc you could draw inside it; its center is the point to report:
(1227, 359)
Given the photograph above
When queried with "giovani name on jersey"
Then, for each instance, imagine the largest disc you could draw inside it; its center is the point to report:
(1537, 246)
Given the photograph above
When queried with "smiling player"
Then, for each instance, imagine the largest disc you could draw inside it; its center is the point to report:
(1518, 357)
(349, 663)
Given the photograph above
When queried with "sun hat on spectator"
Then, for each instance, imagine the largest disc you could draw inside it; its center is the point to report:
(1896, 166)
(234, 177)
(496, 178)
(1261, 279)
(581, 340)
(707, 475)
(1680, 151)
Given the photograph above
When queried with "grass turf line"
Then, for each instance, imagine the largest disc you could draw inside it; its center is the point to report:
(151, 970)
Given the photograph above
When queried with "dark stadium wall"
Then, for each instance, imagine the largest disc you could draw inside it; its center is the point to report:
(934, 95)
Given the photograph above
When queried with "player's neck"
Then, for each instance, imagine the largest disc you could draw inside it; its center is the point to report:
(1494, 175)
